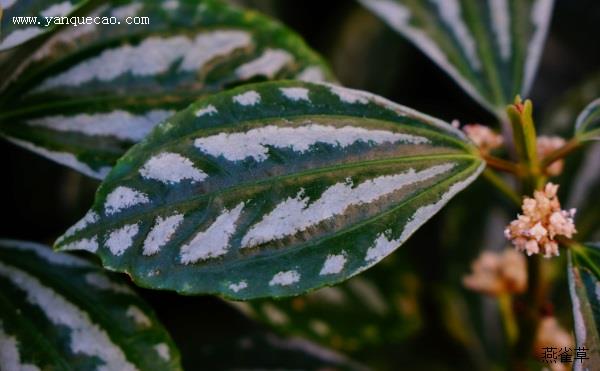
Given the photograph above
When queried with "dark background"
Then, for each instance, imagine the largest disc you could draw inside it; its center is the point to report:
(40, 199)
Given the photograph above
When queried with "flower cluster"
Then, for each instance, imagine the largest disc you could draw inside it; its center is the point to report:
(551, 335)
(547, 145)
(498, 273)
(535, 231)
(483, 137)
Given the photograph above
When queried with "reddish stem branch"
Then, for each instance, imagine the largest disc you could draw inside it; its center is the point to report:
(560, 153)
(501, 164)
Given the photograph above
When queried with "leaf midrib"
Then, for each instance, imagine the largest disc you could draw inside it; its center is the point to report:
(95, 228)
(276, 253)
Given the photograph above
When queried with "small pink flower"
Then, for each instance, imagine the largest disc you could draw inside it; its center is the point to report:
(483, 137)
(498, 273)
(535, 231)
(547, 145)
(550, 334)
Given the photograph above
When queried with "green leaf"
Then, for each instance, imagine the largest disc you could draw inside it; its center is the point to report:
(585, 182)
(60, 312)
(583, 178)
(376, 309)
(92, 91)
(18, 33)
(563, 110)
(584, 284)
(580, 178)
(267, 351)
(490, 48)
(587, 126)
(273, 189)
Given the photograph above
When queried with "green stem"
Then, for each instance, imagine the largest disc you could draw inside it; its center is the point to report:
(528, 320)
(502, 186)
(509, 321)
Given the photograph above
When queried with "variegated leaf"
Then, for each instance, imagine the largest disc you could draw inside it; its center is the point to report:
(91, 91)
(584, 285)
(584, 183)
(563, 110)
(491, 48)
(272, 190)
(580, 178)
(34, 18)
(269, 352)
(378, 308)
(60, 312)
(587, 126)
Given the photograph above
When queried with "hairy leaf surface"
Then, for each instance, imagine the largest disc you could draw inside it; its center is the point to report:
(92, 91)
(587, 126)
(490, 48)
(584, 285)
(272, 190)
(61, 312)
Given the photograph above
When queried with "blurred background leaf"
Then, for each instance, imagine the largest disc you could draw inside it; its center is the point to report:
(91, 91)
(59, 312)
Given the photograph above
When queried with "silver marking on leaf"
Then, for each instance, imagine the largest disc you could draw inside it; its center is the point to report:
(161, 233)
(312, 74)
(249, 98)
(90, 217)
(86, 337)
(119, 124)
(46, 253)
(20, 36)
(121, 239)
(214, 241)
(128, 10)
(540, 15)
(138, 316)
(103, 282)
(86, 244)
(158, 54)
(274, 314)
(236, 287)
(579, 322)
(295, 94)
(10, 357)
(285, 278)
(500, 15)
(383, 245)
(450, 13)
(163, 351)
(268, 64)
(334, 264)
(255, 143)
(295, 215)
(123, 198)
(398, 17)
(208, 110)
(171, 168)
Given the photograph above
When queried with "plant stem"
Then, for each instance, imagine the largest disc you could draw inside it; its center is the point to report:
(562, 152)
(501, 164)
(569, 243)
(530, 315)
(502, 186)
(509, 321)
